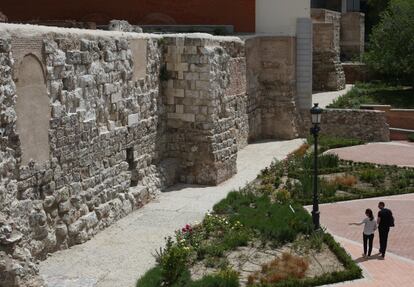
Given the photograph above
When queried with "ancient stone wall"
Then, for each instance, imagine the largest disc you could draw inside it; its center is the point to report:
(94, 124)
(271, 63)
(98, 155)
(367, 125)
(356, 72)
(206, 104)
(328, 73)
(352, 36)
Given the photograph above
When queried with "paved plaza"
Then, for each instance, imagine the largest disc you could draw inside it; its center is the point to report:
(398, 267)
(389, 153)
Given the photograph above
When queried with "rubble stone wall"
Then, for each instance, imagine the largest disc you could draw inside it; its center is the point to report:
(271, 87)
(127, 115)
(205, 93)
(328, 74)
(106, 135)
(367, 125)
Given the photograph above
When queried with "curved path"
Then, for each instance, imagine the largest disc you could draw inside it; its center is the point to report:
(388, 153)
(122, 253)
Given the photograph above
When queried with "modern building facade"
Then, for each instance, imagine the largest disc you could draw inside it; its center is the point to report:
(341, 5)
(247, 16)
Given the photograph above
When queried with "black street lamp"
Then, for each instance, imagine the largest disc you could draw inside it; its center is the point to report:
(316, 113)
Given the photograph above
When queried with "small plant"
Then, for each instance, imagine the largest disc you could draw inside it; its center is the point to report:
(283, 196)
(372, 175)
(327, 189)
(411, 137)
(173, 261)
(325, 161)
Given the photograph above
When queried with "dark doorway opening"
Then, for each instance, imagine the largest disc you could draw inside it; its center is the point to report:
(132, 166)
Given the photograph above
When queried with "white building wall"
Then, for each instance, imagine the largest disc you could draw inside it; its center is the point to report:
(279, 17)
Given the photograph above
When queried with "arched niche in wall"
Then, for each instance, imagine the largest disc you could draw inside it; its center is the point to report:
(33, 111)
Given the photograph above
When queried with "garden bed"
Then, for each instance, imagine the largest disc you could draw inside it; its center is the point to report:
(251, 238)
(338, 180)
(376, 94)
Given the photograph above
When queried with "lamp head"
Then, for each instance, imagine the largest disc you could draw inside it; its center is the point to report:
(316, 113)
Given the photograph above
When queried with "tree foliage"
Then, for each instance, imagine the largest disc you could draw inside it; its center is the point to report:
(375, 9)
(391, 49)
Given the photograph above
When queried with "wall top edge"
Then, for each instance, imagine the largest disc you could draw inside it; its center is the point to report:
(353, 111)
(29, 30)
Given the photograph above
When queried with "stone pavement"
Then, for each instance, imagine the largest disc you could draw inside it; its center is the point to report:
(390, 153)
(326, 98)
(119, 255)
(398, 267)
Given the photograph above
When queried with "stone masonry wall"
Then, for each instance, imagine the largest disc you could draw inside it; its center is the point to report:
(328, 73)
(206, 103)
(271, 87)
(116, 137)
(14, 259)
(367, 125)
(352, 36)
(126, 116)
(107, 141)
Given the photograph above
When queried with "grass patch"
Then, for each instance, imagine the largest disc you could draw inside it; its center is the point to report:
(326, 142)
(376, 94)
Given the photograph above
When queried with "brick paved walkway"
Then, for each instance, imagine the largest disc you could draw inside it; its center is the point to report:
(398, 267)
(392, 153)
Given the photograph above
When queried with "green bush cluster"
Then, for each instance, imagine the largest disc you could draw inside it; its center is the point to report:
(375, 176)
(375, 94)
(235, 220)
(391, 52)
(275, 222)
(326, 142)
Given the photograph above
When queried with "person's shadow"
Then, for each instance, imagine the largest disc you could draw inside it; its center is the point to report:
(372, 257)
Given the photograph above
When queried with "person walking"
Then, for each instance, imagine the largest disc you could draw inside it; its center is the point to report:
(385, 220)
(370, 225)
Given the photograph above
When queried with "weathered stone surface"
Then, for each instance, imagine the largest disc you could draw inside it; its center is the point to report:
(124, 26)
(367, 125)
(328, 74)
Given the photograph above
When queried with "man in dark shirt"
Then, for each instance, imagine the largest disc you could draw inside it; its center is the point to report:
(385, 220)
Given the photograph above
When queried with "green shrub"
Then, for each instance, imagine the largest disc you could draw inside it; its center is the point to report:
(324, 161)
(283, 196)
(327, 189)
(411, 137)
(373, 175)
(275, 222)
(152, 278)
(391, 51)
(236, 238)
(327, 142)
(173, 262)
(375, 93)
(225, 278)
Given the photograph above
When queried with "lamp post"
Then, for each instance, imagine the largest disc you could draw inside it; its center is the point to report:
(316, 113)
